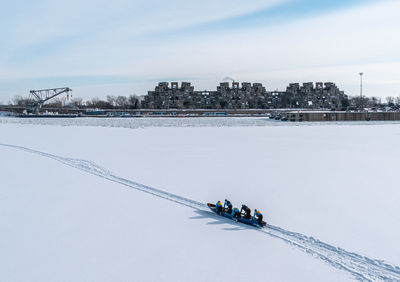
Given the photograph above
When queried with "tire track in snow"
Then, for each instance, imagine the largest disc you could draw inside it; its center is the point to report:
(97, 170)
(360, 267)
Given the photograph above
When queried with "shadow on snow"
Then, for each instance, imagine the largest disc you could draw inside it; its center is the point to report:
(360, 267)
(219, 220)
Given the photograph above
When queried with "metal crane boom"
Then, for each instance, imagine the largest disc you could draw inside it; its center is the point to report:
(39, 97)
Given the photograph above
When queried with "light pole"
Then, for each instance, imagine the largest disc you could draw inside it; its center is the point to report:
(361, 98)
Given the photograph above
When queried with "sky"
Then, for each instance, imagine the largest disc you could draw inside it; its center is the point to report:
(125, 47)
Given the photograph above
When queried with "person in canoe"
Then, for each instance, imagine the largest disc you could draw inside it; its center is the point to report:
(236, 213)
(247, 212)
(219, 207)
(258, 216)
(227, 206)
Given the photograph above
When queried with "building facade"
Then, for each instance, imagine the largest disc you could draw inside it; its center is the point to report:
(245, 96)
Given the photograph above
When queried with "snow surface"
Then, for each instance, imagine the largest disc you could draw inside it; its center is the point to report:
(320, 186)
(176, 122)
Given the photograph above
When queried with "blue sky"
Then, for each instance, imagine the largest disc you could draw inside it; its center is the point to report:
(122, 47)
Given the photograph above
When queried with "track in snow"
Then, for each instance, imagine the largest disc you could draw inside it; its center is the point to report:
(360, 267)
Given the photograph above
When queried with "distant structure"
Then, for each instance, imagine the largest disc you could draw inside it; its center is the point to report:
(324, 95)
(245, 96)
(38, 97)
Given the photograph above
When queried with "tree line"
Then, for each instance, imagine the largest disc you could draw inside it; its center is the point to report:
(111, 102)
(134, 102)
(374, 102)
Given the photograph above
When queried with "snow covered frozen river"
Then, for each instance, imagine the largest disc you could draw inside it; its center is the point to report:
(72, 206)
(175, 122)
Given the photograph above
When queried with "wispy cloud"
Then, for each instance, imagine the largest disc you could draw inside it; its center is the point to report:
(121, 45)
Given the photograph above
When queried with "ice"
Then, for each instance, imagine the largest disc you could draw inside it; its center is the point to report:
(176, 122)
(73, 207)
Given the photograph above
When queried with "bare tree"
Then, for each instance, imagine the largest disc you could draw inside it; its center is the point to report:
(98, 103)
(356, 101)
(390, 100)
(122, 102)
(373, 102)
(112, 100)
(20, 101)
(134, 102)
(92, 102)
(55, 103)
(76, 102)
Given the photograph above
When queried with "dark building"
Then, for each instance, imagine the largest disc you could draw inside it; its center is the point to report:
(324, 95)
(245, 96)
